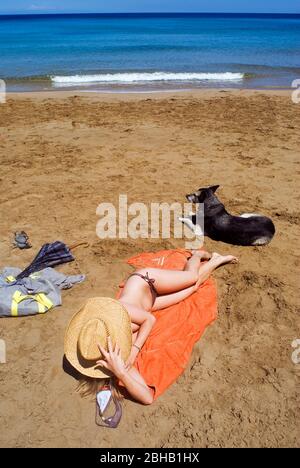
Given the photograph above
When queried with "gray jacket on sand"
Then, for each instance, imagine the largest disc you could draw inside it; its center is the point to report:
(35, 294)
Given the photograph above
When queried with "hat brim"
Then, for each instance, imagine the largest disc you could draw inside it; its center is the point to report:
(119, 323)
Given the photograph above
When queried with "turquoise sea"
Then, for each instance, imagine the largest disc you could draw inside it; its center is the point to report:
(149, 51)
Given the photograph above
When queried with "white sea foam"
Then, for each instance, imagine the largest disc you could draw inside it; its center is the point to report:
(144, 77)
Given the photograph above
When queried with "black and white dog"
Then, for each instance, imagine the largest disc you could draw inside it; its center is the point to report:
(219, 225)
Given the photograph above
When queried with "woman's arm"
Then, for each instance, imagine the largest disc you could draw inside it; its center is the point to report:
(162, 302)
(145, 320)
(132, 379)
(144, 330)
(136, 387)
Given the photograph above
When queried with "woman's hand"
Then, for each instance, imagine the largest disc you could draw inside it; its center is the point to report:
(132, 357)
(198, 284)
(112, 360)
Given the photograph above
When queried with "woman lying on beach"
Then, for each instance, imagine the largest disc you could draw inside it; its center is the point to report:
(104, 338)
(153, 289)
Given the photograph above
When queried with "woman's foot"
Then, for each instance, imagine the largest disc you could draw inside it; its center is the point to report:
(223, 259)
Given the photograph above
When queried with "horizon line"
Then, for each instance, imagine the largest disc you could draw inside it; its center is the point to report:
(52, 12)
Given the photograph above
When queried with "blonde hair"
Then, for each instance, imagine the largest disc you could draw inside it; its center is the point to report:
(88, 387)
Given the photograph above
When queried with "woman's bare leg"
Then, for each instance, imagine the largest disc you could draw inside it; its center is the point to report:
(215, 262)
(194, 262)
(168, 281)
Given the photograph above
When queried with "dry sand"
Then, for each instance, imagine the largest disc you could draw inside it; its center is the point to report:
(60, 156)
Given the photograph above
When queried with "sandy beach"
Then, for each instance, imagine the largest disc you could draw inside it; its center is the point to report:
(61, 154)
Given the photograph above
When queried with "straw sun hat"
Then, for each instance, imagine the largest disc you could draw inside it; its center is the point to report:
(98, 319)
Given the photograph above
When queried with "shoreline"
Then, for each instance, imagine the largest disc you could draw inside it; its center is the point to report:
(61, 94)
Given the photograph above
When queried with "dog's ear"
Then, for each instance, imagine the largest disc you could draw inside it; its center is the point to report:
(214, 188)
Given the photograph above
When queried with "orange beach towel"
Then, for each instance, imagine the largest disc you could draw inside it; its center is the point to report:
(168, 348)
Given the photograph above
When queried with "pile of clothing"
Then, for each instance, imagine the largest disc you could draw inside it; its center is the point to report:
(36, 289)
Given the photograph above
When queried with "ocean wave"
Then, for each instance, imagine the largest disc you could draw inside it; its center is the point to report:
(144, 77)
